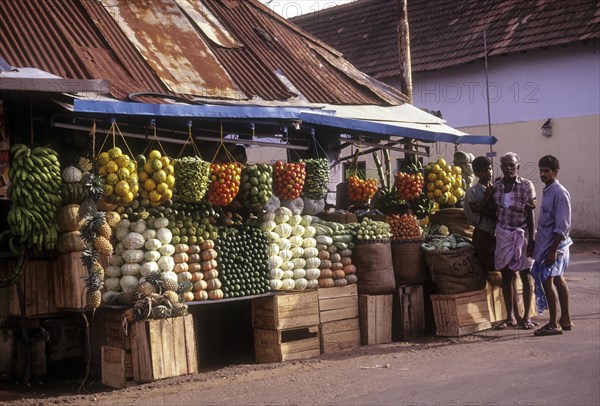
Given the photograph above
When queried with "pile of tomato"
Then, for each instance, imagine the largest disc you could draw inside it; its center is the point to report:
(361, 190)
(404, 227)
(288, 179)
(409, 186)
(224, 183)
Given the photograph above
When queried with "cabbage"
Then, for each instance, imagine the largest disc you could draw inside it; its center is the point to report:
(272, 237)
(149, 234)
(161, 222)
(164, 235)
(130, 269)
(306, 220)
(295, 220)
(295, 206)
(133, 256)
(148, 268)
(113, 271)
(167, 250)
(281, 218)
(112, 284)
(123, 223)
(115, 260)
(151, 256)
(153, 244)
(121, 233)
(268, 216)
(139, 226)
(298, 230)
(134, 241)
(170, 275)
(129, 283)
(166, 263)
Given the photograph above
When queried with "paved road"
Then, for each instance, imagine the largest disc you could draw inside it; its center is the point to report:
(510, 367)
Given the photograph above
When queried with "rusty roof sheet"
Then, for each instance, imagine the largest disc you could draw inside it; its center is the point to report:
(447, 33)
(209, 49)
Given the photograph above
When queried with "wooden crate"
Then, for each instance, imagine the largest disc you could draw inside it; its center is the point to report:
(37, 282)
(495, 300)
(340, 335)
(117, 329)
(163, 348)
(68, 281)
(12, 353)
(375, 313)
(286, 310)
(117, 367)
(338, 303)
(461, 314)
(408, 314)
(285, 345)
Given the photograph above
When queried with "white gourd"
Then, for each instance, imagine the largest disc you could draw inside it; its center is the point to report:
(312, 283)
(324, 239)
(300, 284)
(299, 263)
(295, 220)
(309, 243)
(296, 241)
(121, 233)
(297, 252)
(306, 220)
(115, 260)
(110, 297)
(309, 232)
(289, 274)
(312, 273)
(71, 174)
(120, 248)
(284, 244)
(298, 230)
(124, 223)
(268, 216)
(287, 266)
(274, 261)
(285, 255)
(287, 284)
(312, 262)
(139, 226)
(273, 249)
(299, 273)
(276, 273)
(267, 226)
(284, 230)
(275, 284)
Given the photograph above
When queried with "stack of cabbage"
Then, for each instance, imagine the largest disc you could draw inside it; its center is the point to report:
(144, 249)
(451, 242)
(293, 257)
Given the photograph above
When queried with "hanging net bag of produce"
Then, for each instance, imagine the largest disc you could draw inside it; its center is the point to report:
(191, 173)
(256, 185)
(288, 179)
(224, 180)
(409, 183)
(359, 188)
(157, 174)
(119, 171)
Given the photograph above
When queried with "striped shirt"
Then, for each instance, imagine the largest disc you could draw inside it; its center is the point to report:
(554, 218)
(511, 212)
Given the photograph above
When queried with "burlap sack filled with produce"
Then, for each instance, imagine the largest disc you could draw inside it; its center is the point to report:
(453, 265)
(407, 256)
(372, 256)
(455, 220)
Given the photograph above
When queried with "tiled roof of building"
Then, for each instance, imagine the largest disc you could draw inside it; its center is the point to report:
(446, 33)
(209, 49)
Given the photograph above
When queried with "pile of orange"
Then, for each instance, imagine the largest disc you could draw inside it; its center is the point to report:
(288, 179)
(409, 186)
(404, 227)
(224, 183)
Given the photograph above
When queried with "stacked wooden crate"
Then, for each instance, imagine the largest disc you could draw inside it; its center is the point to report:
(461, 314)
(408, 313)
(338, 315)
(286, 326)
(37, 283)
(148, 350)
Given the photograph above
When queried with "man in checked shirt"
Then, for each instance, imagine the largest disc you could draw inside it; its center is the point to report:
(515, 200)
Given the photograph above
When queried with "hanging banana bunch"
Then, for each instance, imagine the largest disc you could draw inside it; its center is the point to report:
(35, 180)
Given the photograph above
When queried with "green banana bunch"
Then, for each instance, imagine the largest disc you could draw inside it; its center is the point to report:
(34, 192)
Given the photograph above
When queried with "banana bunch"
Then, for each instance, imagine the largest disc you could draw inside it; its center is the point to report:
(35, 179)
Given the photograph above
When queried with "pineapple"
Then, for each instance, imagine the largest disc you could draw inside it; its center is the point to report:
(98, 270)
(127, 298)
(94, 185)
(179, 309)
(85, 165)
(87, 207)
(155, 279)
(161, 312)
(93, 285)
(146, 288)
(171, 296)
(93, 298)
(89, 257)
(169, 284)
(105, 230)
(103, 246)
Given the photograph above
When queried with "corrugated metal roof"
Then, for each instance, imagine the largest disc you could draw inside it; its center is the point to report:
(102, 39)
(447, 33)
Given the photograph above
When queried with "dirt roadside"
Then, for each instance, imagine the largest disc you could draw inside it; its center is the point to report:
(364, 371)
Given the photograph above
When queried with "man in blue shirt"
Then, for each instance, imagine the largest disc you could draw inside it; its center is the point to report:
(551, 253)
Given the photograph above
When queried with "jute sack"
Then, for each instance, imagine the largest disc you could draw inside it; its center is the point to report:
(409, 264)
(66, 219)
(455, 271)
(455, 220)
(374, 267)
(69, 242)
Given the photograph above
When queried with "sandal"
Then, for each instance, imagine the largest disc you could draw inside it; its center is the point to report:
(547, 331)
(566, 328)
(506, 324)
(528, 324)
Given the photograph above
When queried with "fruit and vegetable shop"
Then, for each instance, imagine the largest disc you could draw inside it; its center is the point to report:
(154, 226)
